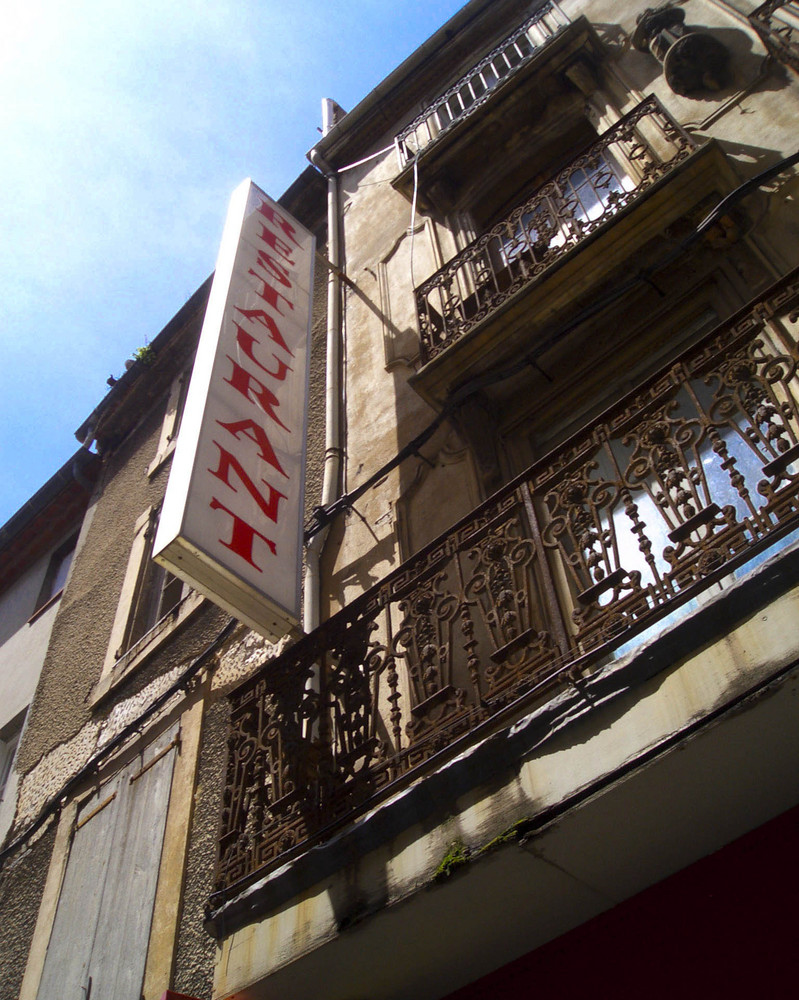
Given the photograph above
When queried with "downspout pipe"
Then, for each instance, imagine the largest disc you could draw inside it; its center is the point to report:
(331, 483)
(79, 461)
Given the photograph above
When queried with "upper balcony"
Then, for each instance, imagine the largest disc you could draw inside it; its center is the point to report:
(777, 23)
(472, 90)
(492, 300)
(515, 97)
(679, 485)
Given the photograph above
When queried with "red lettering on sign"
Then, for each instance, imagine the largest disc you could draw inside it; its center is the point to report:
(275, 217)
(254, 390)
(271, 295)
(272, 267)
(250, 429)
(259, 316)
(243, 536)
(274, 241)
(247, 343)
(228, 462)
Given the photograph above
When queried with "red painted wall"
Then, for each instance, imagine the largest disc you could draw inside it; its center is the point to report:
(726, 926)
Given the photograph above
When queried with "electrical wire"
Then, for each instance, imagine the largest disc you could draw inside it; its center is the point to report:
(366, 159)
(413, 209)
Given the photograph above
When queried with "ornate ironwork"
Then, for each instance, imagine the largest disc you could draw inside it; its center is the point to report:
(597, 184)
(777, 23)
(683, 482)
(462, 99)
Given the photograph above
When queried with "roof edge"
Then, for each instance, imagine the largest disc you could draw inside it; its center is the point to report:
(63, 479)
(336, 138)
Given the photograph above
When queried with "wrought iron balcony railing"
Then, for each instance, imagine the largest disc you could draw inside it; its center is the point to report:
(777, 23)
(683, 481)
(628, 159)
(474, 89)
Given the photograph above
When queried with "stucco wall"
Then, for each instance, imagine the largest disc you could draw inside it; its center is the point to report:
(21, 887)
(316, 387)
(65, 728)
(62, 706)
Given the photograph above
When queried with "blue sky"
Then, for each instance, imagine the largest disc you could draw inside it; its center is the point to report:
(125, 127)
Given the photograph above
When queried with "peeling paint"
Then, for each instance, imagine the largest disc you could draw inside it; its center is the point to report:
(242, 658)
(53, 771)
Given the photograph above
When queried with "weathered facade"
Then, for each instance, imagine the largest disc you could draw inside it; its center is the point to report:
(36, 549)
(550, 654)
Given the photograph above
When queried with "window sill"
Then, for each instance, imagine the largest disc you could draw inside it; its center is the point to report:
(161, 458)
(47, 604)
(149, 643)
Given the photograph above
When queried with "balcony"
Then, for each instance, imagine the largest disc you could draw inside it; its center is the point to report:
(468, 95)
(777, 23)
(532, 112)
(484, 306)
(682, 483)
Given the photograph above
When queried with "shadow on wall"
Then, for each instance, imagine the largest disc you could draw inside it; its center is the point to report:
(745, 63)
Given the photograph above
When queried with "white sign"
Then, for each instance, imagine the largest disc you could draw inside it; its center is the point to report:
(231, 522)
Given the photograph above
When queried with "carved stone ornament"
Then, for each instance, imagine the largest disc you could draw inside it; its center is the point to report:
(692, 60)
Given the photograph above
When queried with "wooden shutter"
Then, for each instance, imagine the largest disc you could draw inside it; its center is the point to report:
(98, 945)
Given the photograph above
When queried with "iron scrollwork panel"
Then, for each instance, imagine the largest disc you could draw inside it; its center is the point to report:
(272, 792)
(502, 582)
(473, 635)
(361, 749)
(697, 473)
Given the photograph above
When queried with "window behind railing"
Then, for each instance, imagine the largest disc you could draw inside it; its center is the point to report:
(584, 194)
(622, 163)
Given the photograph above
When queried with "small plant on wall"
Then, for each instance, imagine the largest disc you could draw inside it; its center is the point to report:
(144, 354)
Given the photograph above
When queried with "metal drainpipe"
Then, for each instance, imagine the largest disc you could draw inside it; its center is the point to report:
(77, 471)
(331, 485)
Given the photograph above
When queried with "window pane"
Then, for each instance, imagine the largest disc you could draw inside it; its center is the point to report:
(61, 571)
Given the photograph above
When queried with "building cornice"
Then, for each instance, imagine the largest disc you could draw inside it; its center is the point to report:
(472, 29)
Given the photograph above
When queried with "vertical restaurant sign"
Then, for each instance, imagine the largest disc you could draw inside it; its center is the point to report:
(231, 521)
